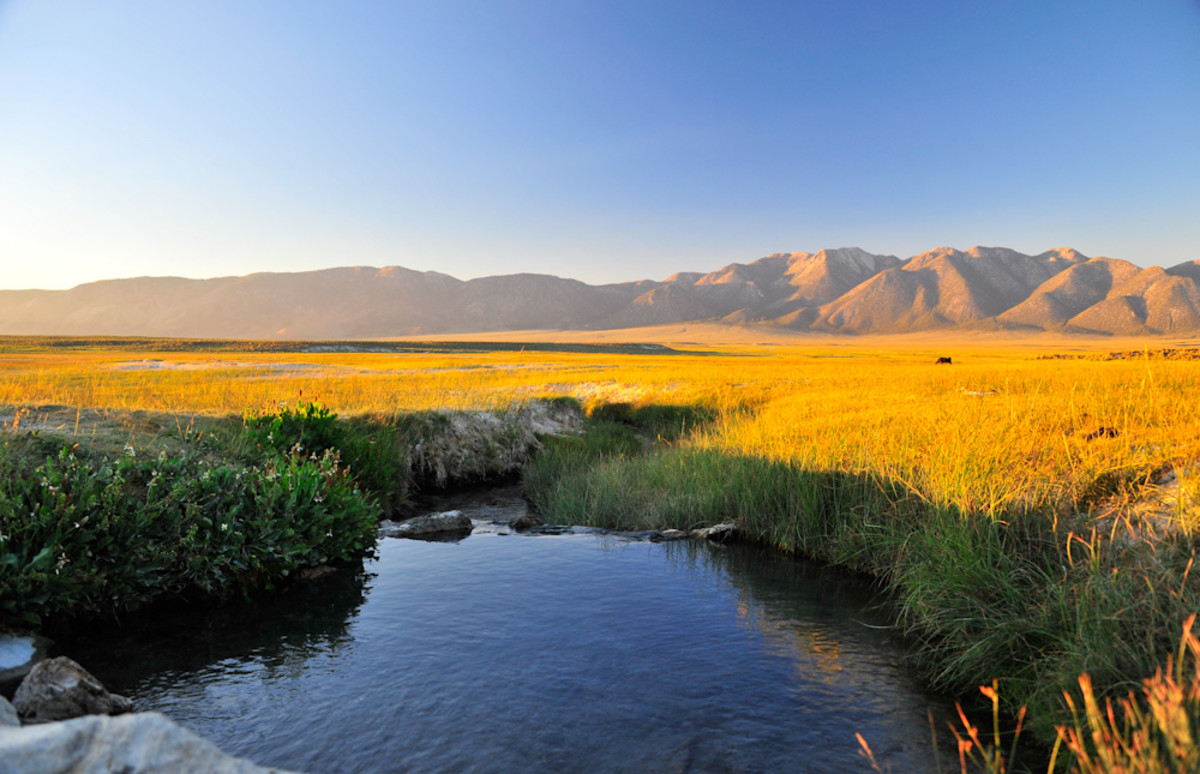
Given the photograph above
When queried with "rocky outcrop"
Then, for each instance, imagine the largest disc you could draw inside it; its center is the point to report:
(68, 728)
(59, 689)
(430, 524)
(146, 743)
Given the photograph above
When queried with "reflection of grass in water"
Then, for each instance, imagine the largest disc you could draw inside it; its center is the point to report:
(1033, 517)
(306, 620)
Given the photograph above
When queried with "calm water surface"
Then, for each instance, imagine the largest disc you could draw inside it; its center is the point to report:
(557, 653)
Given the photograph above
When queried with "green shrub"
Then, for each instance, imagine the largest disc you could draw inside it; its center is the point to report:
(311, 425)
(95, 537)
(374, 451)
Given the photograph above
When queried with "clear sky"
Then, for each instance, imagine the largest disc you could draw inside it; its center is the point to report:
(603, 140)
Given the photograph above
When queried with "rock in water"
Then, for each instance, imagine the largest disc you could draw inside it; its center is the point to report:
(718, 532)
(524, 522)
(450, 521)
(145, 742)
(59, 689)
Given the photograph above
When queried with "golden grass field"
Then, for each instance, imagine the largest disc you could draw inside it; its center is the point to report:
(997, 426)
(1105, 452)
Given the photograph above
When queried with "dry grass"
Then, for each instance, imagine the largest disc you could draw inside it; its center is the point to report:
(995, 430)
(1093, 463)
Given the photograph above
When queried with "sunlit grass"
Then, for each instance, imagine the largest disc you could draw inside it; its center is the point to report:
(1034, 519)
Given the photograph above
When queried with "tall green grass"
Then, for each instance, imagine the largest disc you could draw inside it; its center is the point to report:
(1001, 589)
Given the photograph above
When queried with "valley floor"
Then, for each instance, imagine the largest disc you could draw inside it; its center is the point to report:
(1033, 517)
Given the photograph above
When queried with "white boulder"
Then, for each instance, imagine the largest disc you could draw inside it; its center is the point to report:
(146, 743)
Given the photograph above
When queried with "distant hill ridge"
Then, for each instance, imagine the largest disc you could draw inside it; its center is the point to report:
(843, 290)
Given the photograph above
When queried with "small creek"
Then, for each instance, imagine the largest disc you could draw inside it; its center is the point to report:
(571, 652)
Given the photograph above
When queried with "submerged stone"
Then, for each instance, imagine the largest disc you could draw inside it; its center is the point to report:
(315, 573)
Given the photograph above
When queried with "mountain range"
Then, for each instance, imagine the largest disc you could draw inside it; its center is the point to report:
(845, 290)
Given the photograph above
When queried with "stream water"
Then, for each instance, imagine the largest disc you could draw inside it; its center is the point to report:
(575, 652)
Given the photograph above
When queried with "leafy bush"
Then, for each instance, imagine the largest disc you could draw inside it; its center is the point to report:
(94, 537)
(376, 452)
(311, 425)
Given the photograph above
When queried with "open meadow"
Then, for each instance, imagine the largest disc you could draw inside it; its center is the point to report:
(1031, 508)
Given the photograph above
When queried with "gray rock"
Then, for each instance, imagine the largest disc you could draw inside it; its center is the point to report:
(525, 521)
(145, 742)
(59, 689)
(431, 524)
(719, 532)
(8, 715)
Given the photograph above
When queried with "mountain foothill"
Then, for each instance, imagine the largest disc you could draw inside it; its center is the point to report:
(839, 291)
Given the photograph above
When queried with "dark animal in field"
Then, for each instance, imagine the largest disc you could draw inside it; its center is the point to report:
(945, 360)
(1103, 432)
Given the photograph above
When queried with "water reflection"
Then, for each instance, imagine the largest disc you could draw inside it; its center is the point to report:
(552, 653)
(276, 636)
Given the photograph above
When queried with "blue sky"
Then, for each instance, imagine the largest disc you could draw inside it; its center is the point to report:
(604, 140)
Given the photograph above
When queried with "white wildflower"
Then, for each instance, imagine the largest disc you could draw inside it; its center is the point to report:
(129, 451)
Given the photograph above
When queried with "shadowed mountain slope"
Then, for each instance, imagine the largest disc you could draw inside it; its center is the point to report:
(1070, 292)
(943, 288)
(1190, 269)
(1150, 302)
(844, 290)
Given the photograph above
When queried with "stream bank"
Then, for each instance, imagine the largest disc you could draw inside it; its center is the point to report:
(77, 522)
(549, 649)
(973, 573)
